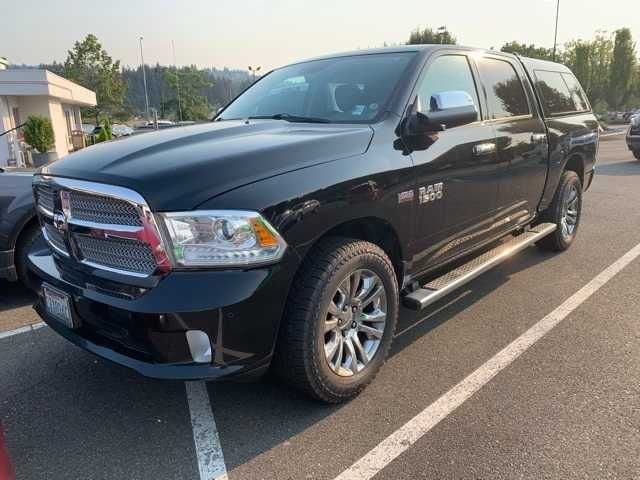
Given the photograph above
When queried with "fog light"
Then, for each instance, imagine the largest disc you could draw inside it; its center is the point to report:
(199, 346)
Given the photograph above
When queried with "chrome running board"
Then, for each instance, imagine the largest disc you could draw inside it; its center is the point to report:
(441, 286)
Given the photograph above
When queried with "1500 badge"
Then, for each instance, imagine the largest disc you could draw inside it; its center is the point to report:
(430, 193)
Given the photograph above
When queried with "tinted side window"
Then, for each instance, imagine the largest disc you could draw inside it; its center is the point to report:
(505, 94)
(447, 73)
(556, 97)
(577, 94)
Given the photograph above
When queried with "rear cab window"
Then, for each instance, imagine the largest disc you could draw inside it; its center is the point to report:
(560, 93)
(504, 90)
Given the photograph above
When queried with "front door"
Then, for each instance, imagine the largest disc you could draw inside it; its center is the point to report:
(455, 170)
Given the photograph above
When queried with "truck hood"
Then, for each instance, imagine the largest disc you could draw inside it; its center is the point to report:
(178, 169)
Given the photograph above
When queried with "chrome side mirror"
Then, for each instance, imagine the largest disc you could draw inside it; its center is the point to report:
(447, 109)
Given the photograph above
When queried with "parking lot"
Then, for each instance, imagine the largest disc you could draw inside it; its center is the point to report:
(560, 403)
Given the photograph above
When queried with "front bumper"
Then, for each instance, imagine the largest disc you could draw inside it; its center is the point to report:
(145, 329)
(7, 268)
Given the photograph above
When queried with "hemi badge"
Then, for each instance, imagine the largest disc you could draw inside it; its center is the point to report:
(406, 196)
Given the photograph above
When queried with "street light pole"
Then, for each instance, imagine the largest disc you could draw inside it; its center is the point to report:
(254, 70)
(441, 32)
(555, 37)
(144, 79)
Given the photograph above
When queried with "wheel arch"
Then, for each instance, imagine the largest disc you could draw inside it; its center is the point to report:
(371, 229)
(575, 163)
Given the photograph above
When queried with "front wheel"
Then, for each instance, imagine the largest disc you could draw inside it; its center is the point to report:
(339, 320)
(565, 212)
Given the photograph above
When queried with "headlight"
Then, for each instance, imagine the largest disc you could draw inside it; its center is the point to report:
(222, 238)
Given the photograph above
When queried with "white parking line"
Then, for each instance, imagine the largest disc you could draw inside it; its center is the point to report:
(28, 328)
(205, 433)
(402, 439)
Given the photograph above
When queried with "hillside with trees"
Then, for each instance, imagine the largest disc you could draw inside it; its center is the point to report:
(120, 90)
(606, 65)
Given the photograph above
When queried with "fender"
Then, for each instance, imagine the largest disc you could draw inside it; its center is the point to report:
(577, 147)
(370, 192)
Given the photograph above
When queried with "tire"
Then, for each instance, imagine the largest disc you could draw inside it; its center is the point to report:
(24, 243)
(565, 211)
(636, 153)
(315, 322)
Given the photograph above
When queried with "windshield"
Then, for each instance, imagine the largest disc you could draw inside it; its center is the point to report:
(352, 89)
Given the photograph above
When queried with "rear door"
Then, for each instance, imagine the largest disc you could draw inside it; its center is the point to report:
(520, 135)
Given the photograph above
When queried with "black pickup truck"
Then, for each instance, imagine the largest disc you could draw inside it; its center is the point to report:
(290, 231)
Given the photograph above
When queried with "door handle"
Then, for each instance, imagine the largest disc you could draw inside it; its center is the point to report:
(484, 149)
(539, 138)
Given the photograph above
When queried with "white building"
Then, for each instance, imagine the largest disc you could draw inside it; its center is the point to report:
(25, 92)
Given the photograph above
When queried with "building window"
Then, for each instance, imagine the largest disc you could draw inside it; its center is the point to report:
(67, 116)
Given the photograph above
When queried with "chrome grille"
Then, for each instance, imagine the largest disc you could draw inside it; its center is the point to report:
(120, 254)
(105, 210)
(45, 197)
(104, 226)
(55, 237)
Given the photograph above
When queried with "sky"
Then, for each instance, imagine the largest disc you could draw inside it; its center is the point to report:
(271, 33)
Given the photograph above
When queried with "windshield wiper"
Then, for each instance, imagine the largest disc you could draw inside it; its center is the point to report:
(290, 118)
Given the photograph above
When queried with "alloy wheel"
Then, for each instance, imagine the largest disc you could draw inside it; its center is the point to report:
(570, 211)
(355, 323)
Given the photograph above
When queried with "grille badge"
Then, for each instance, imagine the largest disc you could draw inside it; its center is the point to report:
(60, 221)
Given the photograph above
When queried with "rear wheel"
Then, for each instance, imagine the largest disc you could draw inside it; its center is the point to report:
(565, 212)
(339, 320)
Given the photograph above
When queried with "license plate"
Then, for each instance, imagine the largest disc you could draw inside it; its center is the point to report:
(58, 305)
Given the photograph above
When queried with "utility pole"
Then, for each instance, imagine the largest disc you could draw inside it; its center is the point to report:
(144, 79)
(173, 47)
(255, 71)
(555, 37)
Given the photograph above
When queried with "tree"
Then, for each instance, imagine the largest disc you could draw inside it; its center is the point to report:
(530, 50)
(89, 65)
(192, 85)
(591, 62)
(622, 70)
(430, 36)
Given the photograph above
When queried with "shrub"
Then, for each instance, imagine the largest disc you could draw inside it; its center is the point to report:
(38, 132)
(105, 133)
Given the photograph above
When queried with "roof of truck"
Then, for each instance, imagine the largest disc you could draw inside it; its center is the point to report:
(535, 64)
(529, 62)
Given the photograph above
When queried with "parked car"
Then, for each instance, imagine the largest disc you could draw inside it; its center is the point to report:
(119, 130)
(633, 136)
(19, 227)
(87, 128)
(6, 469)
(629, 115)
(288, 232)
(161, 124)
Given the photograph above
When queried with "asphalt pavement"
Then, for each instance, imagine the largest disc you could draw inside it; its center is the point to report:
(567, 407)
